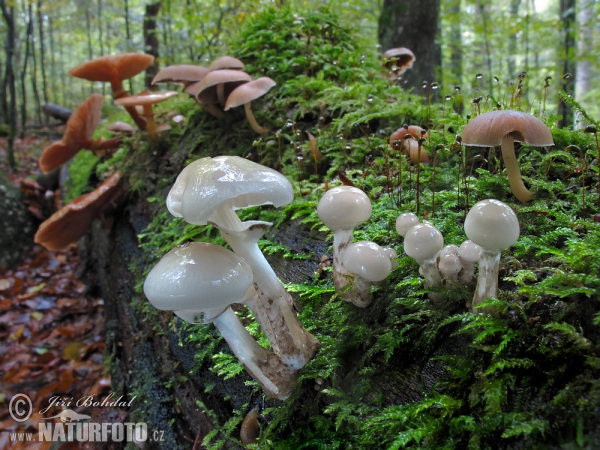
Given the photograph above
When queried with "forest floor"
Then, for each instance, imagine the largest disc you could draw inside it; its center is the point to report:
(51, 329)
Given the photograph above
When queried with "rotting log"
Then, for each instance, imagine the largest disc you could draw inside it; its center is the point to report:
(57, 112)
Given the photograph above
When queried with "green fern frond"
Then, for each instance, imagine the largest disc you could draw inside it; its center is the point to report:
(577, 109)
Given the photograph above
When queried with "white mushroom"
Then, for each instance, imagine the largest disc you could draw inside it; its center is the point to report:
(199, 281)
(422, 243)
(449, 267)
(369, 263)
(494, 226)
(209, 190)
(469, 253)
(342, 209)
(405, 222)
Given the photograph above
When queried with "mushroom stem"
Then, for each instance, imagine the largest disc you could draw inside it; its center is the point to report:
(253, 123)
(120, 92)
(276, 379)
(512, 170)
(430, 272)
(221, 93)
(212, 109)
(150, 122)
(287, 336)
(349, 286)
(467, 273)
(487, 278)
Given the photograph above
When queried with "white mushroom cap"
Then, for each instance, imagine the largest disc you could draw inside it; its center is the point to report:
(198, 276)
(423, 241)
(392, 254)
(449, 265)
(449, 249)
(492, 225)
(208, 183)
(367, 260)
(344, 208)
(405, 222)
(469, 251)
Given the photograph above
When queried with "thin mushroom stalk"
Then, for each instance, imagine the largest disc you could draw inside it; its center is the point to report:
(351, 288)
(252, 120)
(290, 340)
(512, 170)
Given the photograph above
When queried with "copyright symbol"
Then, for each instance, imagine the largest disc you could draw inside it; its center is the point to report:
(20, 408)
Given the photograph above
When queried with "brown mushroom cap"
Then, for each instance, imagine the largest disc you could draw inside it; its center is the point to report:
(212, 79)
(249, 92)
(411, 148)
(400, 57)
(488, 129)
(398, 135)
(80, 129)
(181, 74)
(113, 67)
(121, 128)
(145, 99)
(227, 62)
(71, 222)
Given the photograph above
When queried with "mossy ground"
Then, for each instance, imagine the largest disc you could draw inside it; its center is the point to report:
(528, 378)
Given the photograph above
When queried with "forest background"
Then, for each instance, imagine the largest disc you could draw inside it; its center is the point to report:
(477, 42)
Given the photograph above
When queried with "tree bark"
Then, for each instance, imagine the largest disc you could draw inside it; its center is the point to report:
(34, 71)
(28, 42)
(41, 34)
(413, 24)
(9, 17)
(151, 41)
(583, 76)
(567, 15)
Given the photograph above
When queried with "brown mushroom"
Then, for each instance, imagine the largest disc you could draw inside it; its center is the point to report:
(216, 82)
(147, 100)
(245, 94)
(119, 127)
(503, 128)
(114, 69)
(399, 135)
(411, 148)
(226, 62)
(78, 135)
(71, 222)
(399, 58)
(184, 74)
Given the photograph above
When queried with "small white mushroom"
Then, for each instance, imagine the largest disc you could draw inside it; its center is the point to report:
(469, 253)
(494, 226)
(199, 281)
(422, 243)
(449, 267)
(405, 222)
(369, 263)
(342, 209)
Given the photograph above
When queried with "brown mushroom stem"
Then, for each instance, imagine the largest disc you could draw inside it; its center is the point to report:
(212, 109)
(221, 93)
(253, 123)
(512, 170)
(101, 146)
(150, 122)
(120, 92)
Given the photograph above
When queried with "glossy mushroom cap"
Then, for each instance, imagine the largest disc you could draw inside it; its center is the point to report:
(344, 208)
(226, 62)
(469, 251)
(113, 67)
(492, 225)
(405, 222)
(449, 249)
(78, 135)
(71, 222)
(249, 92)
(488, 129)
(198, 276)
(449, 266)
(204, 89)
(208, 183)
(181, 74)
(367, 260)
(399, 135)
(423, 241)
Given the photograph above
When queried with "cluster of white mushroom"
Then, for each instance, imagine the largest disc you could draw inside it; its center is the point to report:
(356, 265)
(490, 226)
(200, 281)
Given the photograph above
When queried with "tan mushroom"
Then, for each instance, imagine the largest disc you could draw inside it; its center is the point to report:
(226, 62)
(212, 88)
(245, 94)
(114, 69)
(399, 58)
(503, 128)
(71, 222)
(119, 127)
(78, 135)
(147, 100)
(184, 74)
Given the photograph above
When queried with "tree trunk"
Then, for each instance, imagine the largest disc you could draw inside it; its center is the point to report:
(515, 8)
(53, 75)
(567, 14)
(413, 24)
(128, 37)
(100, 38)
(454, 40)
(151, 41)
(583, 76)
(34, 72)
(41, 34)
(9, 17)
(28, 41)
